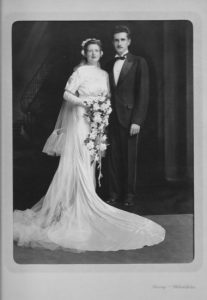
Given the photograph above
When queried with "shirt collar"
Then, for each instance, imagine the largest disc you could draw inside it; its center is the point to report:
(124, 54)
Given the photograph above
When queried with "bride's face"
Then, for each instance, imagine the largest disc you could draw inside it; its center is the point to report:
(93, 54)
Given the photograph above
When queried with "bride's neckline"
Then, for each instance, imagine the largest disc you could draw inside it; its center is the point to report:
(95, 66)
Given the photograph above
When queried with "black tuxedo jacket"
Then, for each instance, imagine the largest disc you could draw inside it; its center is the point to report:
(129, 97)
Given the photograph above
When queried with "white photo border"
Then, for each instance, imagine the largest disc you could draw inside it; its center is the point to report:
(139, 277)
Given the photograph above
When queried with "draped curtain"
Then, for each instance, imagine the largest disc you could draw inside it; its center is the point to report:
(167, 147)
(178, 100)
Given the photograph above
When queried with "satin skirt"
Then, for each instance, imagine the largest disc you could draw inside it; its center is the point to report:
(71, 216)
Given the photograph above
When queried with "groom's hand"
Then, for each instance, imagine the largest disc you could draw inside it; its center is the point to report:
(134, 129)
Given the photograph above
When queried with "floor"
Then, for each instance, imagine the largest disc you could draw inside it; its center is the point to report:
(33, 174)
(176, 248)
(170, 204)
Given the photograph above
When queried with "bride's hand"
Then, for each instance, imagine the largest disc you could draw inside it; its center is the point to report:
(73, 99)
(85, 103)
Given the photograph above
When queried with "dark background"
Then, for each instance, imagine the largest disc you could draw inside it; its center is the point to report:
(44, 54)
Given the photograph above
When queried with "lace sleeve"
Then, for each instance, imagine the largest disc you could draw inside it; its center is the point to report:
(73, 83)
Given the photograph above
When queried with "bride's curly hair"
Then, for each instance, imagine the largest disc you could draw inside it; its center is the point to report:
(84, 48)
(90, 41)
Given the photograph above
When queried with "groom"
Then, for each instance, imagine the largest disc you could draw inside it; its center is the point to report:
(129, 84)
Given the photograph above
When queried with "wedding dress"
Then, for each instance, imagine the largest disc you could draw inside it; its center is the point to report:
(71, 216)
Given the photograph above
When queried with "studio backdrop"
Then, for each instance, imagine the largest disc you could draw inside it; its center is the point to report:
(44, 54)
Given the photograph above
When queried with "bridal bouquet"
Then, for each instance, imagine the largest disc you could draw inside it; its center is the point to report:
(98, 111)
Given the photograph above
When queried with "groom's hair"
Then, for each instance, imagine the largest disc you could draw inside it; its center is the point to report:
(122, 28)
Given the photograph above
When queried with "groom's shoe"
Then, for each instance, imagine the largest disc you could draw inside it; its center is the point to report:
(129, 201)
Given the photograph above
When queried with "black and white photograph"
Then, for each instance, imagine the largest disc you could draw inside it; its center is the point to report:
(102, 150)
(103, 141)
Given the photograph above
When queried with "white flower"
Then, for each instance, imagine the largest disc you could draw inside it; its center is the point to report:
(105, 121)
(93, 134)
(97, 118)
(96, 106)
(103, 138)
(85, 41)
(92, 152)
(101, 127)
(96, 158)
(90, 145)
(102, 99)
(105, 105)
(109, 110)
(94, 126)
(102, 147)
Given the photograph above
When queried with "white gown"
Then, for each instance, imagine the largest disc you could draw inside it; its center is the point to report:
(71, 216)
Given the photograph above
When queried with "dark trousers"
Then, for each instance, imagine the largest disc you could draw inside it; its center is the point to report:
(121, 161)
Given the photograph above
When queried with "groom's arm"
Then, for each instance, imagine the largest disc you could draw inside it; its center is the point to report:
(141, 94)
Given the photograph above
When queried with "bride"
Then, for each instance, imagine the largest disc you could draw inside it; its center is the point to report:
(71, 216)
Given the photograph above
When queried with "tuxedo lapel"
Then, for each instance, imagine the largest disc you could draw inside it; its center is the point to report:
(111, 78)
(125, 69)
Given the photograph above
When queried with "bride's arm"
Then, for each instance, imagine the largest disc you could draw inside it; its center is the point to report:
(73, 99)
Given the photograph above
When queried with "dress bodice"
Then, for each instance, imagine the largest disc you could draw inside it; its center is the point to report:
(88, 80)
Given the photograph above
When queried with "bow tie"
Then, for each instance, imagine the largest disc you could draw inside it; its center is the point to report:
(120, 57)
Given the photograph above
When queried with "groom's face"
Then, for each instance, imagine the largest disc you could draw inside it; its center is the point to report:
(121, 42)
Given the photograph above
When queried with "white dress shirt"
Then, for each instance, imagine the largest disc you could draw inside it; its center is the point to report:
(118, 66)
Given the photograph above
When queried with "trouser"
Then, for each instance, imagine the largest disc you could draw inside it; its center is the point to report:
(121, 161)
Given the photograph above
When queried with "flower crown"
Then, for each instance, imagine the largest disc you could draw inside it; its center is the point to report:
(86, 41)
